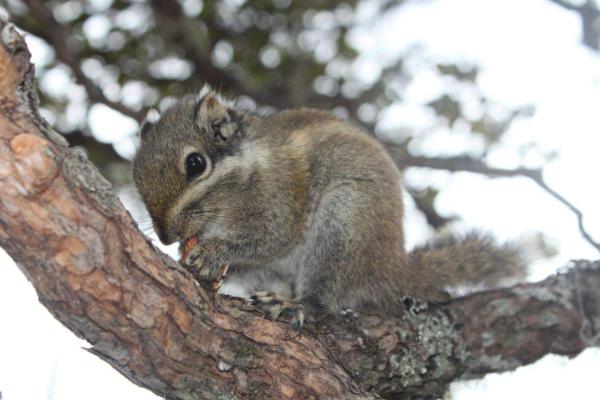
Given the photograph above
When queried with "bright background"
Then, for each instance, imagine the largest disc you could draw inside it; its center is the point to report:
(537, 58)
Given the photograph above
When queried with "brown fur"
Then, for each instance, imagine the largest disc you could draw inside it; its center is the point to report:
(300, 203)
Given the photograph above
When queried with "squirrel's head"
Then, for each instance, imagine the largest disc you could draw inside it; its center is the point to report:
(192, 165)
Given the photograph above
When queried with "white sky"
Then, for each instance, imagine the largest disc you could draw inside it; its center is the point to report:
(530, 53)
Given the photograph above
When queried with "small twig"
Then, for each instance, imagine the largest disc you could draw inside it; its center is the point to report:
(540, 182)
(425, 205)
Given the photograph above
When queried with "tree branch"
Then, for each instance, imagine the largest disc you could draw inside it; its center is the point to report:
(148, 318)
(589, 15)
(469, 164)
(424, 202)
(566, 4)
(456, 164)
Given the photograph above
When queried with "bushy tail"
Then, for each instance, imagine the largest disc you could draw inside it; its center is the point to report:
(459, 263)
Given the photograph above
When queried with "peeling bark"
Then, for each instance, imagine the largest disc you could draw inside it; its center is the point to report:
(148, 318)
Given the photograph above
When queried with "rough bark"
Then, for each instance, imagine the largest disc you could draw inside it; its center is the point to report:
(147, 317)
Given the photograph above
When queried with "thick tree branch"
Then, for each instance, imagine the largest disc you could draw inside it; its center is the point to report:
(103, 279)
(149, 319)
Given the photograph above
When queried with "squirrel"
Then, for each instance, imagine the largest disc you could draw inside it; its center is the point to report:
(305, 208)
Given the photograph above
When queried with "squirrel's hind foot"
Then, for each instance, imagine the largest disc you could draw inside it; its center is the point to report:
(273, 306)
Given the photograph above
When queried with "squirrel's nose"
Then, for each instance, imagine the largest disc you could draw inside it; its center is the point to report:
(165, 235)
(162, 235)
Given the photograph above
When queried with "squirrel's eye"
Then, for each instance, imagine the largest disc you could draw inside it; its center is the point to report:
(195, 165)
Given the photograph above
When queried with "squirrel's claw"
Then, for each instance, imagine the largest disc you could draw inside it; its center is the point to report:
(273, 306)
(203, 270)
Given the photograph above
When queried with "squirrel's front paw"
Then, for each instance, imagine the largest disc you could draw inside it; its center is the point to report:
(199, 261)
(273, 306)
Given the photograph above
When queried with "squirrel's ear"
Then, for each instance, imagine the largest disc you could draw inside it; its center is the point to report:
(213, 115)
(210, 109)
(151, 119)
